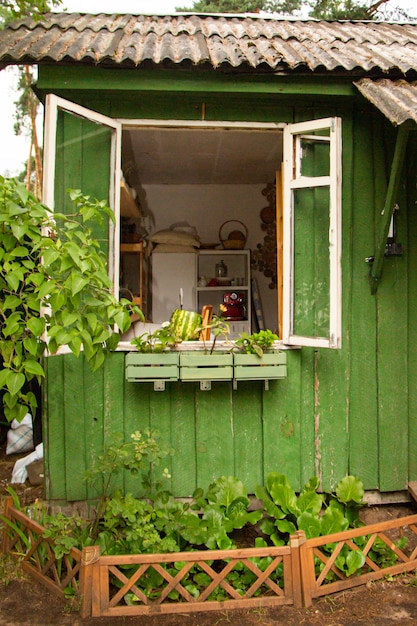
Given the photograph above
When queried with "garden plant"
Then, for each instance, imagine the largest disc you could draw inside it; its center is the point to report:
(159, 523)
(54, 290)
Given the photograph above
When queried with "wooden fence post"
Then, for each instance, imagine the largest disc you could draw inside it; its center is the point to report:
(308, 578)
(90, 556)
(5, 545)
(297, 581)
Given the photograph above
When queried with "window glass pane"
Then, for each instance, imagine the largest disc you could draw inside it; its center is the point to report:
(82, 162)
(311, 262)
(315, 156)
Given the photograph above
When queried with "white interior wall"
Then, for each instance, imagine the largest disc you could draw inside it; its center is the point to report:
(206, 207)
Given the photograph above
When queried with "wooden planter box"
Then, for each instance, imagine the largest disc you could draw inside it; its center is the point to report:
(195, 366)
(203, 367)
(151, 366)
(252, 367)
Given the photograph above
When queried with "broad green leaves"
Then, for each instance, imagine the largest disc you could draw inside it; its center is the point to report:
(316, 514)
(51, 264)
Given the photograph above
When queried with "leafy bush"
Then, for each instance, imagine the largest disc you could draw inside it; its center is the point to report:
(54, 290)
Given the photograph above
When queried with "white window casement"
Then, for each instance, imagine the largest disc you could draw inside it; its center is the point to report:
(79, 141)
(312, 234)
(92, 141)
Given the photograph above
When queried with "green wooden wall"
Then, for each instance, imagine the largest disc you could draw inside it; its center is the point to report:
(339, 411)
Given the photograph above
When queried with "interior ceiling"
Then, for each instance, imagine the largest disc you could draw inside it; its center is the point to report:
(155, 156)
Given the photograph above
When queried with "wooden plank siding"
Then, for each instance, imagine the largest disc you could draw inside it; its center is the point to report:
(339, 411)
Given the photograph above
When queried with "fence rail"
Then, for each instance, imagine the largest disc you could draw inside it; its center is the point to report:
(144, 584)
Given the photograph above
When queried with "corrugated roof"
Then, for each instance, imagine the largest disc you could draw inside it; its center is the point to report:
(397, 100)
(234, 41)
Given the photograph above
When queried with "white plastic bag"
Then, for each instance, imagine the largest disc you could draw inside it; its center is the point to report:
(20, 436)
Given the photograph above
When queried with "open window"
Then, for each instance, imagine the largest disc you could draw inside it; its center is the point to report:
(312, 234)
(204, 174)
(82, 150)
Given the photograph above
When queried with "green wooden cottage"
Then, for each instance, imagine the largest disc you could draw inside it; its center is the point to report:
(300, 136)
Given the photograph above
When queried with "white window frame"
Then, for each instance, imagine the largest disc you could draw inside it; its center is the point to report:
(294, 180)
(53, 105)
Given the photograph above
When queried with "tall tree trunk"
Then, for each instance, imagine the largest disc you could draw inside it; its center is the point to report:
(33, 110)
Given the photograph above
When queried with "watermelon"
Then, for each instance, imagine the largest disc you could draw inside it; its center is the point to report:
(184, 324)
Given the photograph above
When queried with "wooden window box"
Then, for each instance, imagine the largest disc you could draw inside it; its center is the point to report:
(270, 366)
(201, 366)
(151, 366)
(198, 366)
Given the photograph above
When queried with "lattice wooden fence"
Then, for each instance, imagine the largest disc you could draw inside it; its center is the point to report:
(144, 584)
(26, 540)
(320, 565)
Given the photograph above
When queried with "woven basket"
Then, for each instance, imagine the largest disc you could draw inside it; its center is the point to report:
(232, 242)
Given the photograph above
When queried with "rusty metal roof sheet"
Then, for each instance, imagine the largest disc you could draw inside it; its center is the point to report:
(397, 100)
(216, 40)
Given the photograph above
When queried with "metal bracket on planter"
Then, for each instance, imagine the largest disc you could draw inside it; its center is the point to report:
(159, 385)
(266, 384)
(205, 385)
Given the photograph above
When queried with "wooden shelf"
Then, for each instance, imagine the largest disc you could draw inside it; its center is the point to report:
(128, 206)
(136, 248)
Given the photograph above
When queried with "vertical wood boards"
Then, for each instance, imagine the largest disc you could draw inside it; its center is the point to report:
(113, 411)
(136, 417)
(392, 313)
(248, 434)
(93, 397)
(411, 251)
(214, 433)
(332, 367)
(75, 435)
(282, 436)
(54, 429)
(363, 426)
(338, 412)
(183, 438)
(161, 424)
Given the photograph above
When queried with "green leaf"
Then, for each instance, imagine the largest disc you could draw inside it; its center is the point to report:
(270, 507)
(227, 489)
(17, 412)
(354, 561)
(15, 382)
(68, 318)
(19, 229)
(57, 301)
(78, 282)
(310, 524)
(32, 346)
(285, 498)
(310, 501)
(13, 325)
(22, 192)
(33, 367)
(11, 302)
(20, 251)
(36, 325)
(46, 288)
(14, 279)
(350, 488)
(332, 521)
(50, 255)
(4, 373)
(274, 478)
(122, 320)
(75, 344)
(285, 526)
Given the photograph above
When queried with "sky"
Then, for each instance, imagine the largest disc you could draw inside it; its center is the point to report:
(17, 147)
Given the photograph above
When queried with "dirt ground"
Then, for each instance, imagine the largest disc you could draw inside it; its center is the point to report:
(384, 603)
